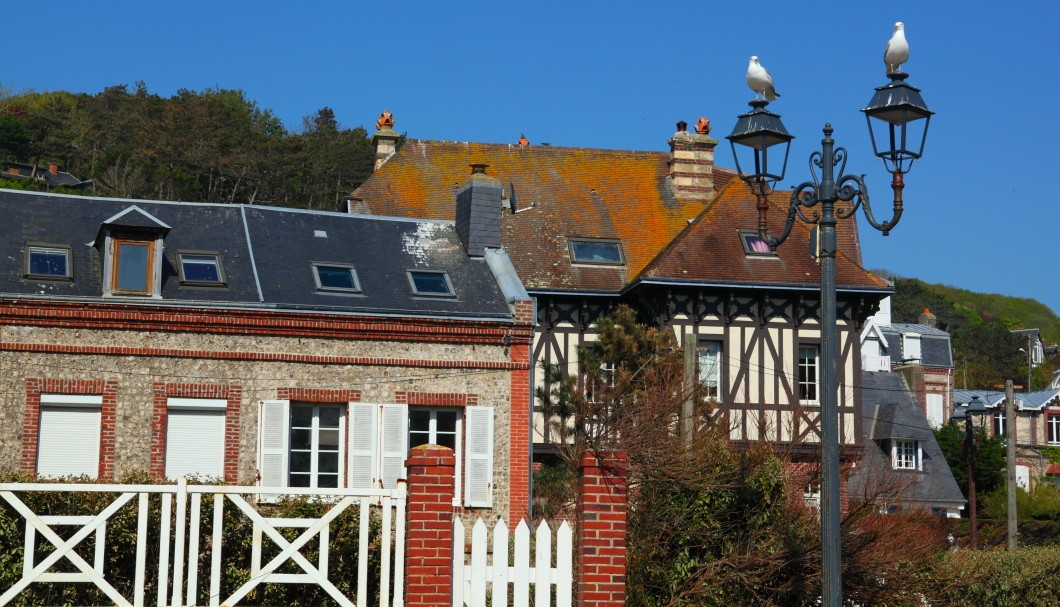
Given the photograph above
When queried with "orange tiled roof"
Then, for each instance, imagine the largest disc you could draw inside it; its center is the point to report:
(591, 193)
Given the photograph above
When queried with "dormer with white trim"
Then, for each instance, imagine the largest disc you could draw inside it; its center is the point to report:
(874, 347)
(130, 244)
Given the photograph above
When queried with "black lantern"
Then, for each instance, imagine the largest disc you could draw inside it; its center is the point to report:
(898, 108)
(760, 130)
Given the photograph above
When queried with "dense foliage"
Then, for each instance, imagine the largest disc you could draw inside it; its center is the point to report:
(213, 145)
(1026, 577)
(989, 458)
(120, 556)
(985, 352)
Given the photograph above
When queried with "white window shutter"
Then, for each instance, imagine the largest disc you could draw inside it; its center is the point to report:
(363, 465)
(195, 443)
(275, 436)
(478, 474)
(395, 437)
(69, 441)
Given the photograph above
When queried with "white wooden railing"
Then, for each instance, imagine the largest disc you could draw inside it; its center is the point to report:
(481, 578)
(179, 542)
(875, 363)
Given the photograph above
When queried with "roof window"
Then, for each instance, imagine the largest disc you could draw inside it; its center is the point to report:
(753, 244)
(602, 252)
(336, 277)
(200, 269)
(432, 283)
(48, 262)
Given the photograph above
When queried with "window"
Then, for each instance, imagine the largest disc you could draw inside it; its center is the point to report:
(1052, 423)
(335, 277)
(305, 445)
(200, 269)
(809, 386)
(935, 414)
(910, 346)
(604, 252)
(48, 262)
(754, 245)
(195, 437)
(132, 268)
(999, 424)
(69, 435)
(905, 454)
(430, 283)
(709, 356)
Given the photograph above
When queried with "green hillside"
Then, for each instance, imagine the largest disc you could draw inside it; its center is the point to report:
(984, 351)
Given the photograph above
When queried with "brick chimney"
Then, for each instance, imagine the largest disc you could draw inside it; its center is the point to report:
(53, 168)
(478, 212)
(385, 139)
(692, 161)
(928, 319)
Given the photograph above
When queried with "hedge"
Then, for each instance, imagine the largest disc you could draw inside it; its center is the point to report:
(1026, 577)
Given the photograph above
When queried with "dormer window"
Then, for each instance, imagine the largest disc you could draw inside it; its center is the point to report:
(430, 283)
(754, 245)
(48, 262)
(133, 266)
(200, 269)
(905, 454)
(599, 252)
(336, 277)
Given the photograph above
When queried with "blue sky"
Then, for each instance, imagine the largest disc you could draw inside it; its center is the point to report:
(979, 209)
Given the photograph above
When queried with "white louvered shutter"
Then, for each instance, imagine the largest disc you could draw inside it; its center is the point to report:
(363, 465)
(395, 439)
(478, 472)
(195, 443)
(275, 417)
(68, 443)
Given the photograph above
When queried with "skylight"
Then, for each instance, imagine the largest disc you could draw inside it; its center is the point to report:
(604, 252)
(336, 277)
(48, 262)
(426, 282)
(754, 245)
(200, 268)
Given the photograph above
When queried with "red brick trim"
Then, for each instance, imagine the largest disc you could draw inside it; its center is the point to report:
(603, 481)
(159, 418)
(35, 387)
(435, 399)
(309, 359)
(254, 322)
(519, 439)
(315, 395)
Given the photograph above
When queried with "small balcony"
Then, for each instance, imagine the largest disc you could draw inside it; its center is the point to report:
(875, 363)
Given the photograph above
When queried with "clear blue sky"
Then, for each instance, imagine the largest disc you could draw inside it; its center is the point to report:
(980, 212)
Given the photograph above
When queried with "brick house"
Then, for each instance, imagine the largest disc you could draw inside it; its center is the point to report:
(260, 345)
(673, 236)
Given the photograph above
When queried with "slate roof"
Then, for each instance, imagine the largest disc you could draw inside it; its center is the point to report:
(994, 399)
(891, 411)
(266, 254)
(559, 193)
(935, 350)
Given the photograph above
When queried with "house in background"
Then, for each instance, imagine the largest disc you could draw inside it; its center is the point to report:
(920, 351)
(259, 345)
(903, 468)
(669, 234)
(52, 177)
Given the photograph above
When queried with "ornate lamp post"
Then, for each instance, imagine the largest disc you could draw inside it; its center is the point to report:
(974, 409)
(901, 118)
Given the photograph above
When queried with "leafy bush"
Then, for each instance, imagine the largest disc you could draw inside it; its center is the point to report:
(1026, 577)
(237, 537)
(1040, 504)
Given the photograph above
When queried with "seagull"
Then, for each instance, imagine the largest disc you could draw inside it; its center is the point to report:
(897, 51)
(760, 81)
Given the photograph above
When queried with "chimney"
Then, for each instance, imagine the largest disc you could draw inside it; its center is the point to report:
(385, 139)
(478, 212)
(928, 319)
(692, 161)
(53, 168)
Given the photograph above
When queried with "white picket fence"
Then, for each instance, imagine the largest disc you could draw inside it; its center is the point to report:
(484, 579)
(179, 542)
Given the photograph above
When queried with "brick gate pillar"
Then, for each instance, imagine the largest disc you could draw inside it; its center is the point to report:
(603, 482)
(429, 527)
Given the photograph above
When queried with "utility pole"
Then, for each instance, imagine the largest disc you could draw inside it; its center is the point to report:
(688, 406)
(1010, 447)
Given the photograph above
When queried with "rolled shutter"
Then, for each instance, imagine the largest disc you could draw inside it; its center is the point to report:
(478, 476)
(395, 438)
(275, 418)
(195, 443)
(363, 464)
(68, 443)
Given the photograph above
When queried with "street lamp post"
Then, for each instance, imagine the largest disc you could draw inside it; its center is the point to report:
(975, 408)
(898, 110)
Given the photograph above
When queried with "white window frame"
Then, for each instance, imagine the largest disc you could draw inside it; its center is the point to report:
(458, 453)
(936, 410)
(816, 366)
(999, 423)
(905, 454)
(66, 252)
(1052, 427)
(314, 446)
(196, 404)
(54, 402)
(205, 258)
(709, 362)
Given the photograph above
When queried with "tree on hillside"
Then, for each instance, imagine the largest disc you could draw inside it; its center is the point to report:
(709, 523)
